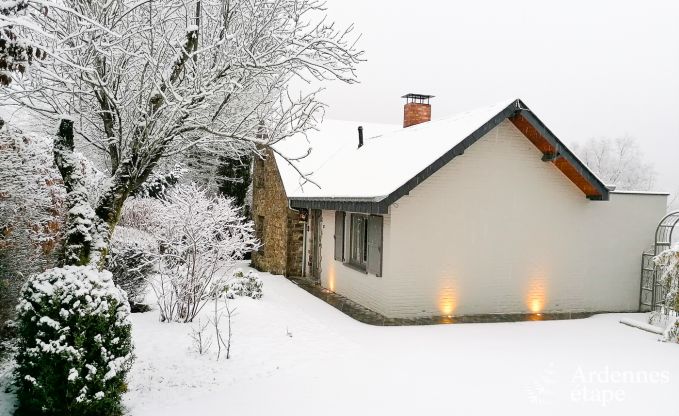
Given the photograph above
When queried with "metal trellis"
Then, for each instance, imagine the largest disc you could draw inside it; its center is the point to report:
(652, 294)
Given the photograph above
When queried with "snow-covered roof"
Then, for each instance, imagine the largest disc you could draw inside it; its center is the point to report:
(311, 153)
(622, 191)
(391, 155)
(394, 159)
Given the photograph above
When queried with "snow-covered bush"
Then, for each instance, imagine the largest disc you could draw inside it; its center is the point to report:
(132, 259)
(31, 199)
(32, 213)
(141, 213)
(667, 264)
(10, 286)
(242, 284)
(200, 236)
(75, 343)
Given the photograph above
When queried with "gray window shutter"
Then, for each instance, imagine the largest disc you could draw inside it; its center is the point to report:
(339, 235)
(375, 245)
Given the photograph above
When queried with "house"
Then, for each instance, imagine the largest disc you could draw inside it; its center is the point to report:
(484, 212)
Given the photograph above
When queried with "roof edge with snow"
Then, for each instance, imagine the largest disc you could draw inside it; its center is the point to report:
(524, 119)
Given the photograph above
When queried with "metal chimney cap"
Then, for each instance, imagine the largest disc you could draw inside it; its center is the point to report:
(418, 96)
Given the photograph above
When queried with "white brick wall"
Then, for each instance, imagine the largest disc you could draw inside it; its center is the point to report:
(499, 231)
(366, 289)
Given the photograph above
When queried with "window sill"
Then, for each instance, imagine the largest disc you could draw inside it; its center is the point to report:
(356, 267)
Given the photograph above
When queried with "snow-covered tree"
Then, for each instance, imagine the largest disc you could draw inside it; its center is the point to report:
(17, 52)
(234, 178)
(200, 237)
(618, 162)
(137, 82)
(159, 183)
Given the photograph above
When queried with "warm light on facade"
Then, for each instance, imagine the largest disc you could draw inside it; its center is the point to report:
(447, 302)
(331, 278)
(536, 296)
(447, 307)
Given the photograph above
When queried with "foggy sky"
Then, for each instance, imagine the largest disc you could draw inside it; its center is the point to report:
(586, 68)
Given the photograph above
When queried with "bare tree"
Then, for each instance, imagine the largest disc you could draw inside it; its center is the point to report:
(137, 82)
(215, 320)
(229, 314)
(618, 162)
(200, 338)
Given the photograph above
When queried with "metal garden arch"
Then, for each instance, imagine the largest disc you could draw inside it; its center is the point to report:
(652, 296)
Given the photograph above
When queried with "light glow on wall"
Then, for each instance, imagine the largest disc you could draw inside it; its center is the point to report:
(331, 277)
(448, 300)
(536, 296)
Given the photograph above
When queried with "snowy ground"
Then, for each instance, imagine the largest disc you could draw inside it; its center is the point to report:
(6, 398)
(333, 365)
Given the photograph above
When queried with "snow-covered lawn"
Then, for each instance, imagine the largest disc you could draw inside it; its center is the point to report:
(295, 355)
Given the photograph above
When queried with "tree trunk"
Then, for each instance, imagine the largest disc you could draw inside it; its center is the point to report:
(86, 237)
(88, 229)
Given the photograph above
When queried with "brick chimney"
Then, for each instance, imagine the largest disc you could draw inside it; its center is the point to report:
(417, 109)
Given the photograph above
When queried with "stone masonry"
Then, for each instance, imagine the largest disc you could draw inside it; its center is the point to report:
(278, 227)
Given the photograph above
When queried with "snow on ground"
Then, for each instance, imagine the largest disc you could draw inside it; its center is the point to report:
(7, 399)
(293, 354)
(333, 365)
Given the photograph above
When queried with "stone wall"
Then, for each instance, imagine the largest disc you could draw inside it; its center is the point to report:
(295, 244)
(278, 227)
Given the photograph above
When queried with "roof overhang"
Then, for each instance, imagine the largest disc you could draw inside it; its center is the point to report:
(553, 150)
(365, 205)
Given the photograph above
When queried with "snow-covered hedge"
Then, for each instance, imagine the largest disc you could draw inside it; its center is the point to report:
(242, 284)
(667, 263)
(32, 213)
(132, 259)
(75, 344)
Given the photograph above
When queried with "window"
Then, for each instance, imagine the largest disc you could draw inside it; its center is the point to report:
(359, 240)
(365, 242)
